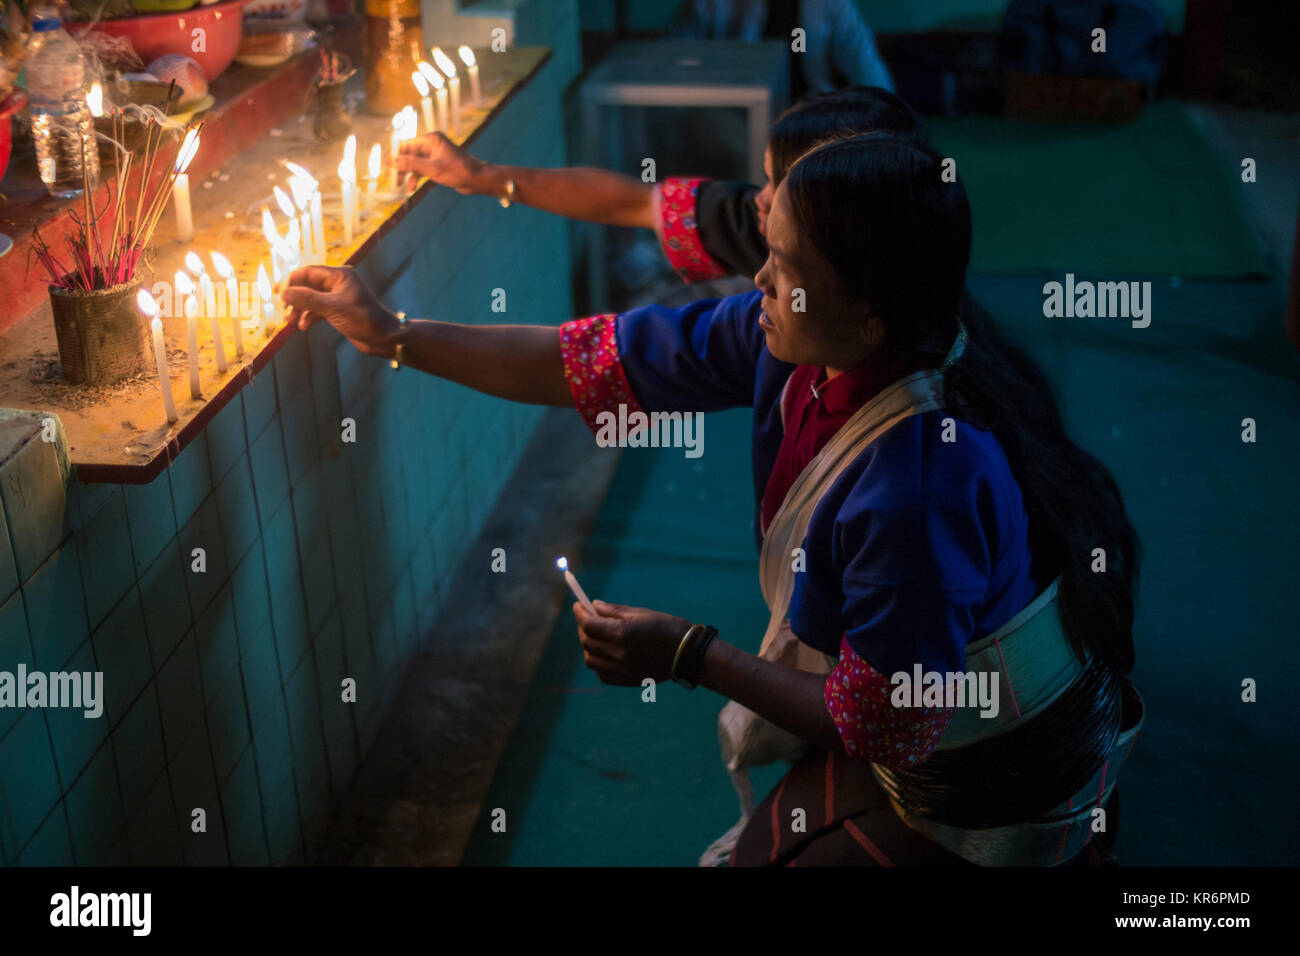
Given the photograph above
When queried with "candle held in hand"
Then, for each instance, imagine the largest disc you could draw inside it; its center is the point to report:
(563, 564)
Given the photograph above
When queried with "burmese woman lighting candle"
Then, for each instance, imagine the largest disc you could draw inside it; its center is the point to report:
(444, 63)
(471, 66)
(184, 290)
(181, 187)
(426, 104)
(563, 564)
(150, 309)
(440, 91)
(227, 272)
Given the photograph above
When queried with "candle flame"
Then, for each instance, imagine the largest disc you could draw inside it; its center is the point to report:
(421, 84)
(374, 163)
(466, 55)
(189, 146)
(298, 172)
(283, 200)
(407, 123)
(350, 149)
(194, 263)
(95, 100)
(268, 227)
(183, 284)
(222, 265)
(301, 193)
(562, 563)
(429, 73)
(444, 61)
(156, 324)
(347, 171)
(147, 305)
(263, 283)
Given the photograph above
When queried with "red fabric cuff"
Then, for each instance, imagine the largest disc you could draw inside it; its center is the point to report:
(680, 235)
(872, 728)
(593, 368)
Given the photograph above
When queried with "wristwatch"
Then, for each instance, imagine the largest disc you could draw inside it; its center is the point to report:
(398, 356)
(508, 199)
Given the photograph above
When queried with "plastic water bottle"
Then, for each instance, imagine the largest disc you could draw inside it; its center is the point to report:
(62, 126)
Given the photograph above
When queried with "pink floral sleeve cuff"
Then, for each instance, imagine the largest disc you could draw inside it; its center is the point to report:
(593, 368)
(679, 233)
(872, 728)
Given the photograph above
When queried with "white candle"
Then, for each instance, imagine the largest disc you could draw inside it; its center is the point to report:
(315, 223)
(426, 104)
(563, 564)
(286, 206)
(444, 63)
(405, 126)
(208, 307)
(150, 308)
(439, 85)
(272, 236)
(372, 176)
(184, 287)
(184, 214)
(467, 57)
(392, 155)
(262, 311)
(227, 272)
(348, 177)
(181, 188)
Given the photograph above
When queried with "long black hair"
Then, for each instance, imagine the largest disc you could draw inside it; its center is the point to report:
(850, 111)
(878, 209)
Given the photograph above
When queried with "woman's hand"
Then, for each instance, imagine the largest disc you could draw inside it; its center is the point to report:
(338, 296)
(436, 157)
(625, 645)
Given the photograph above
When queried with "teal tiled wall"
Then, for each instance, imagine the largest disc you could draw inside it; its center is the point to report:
(324, 559)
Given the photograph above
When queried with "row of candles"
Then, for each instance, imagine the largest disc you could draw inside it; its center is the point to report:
(303, 242)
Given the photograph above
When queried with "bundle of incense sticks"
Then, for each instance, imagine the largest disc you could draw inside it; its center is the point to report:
(95, 263)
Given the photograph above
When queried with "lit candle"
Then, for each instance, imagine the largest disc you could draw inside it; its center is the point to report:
(272, 237)
(426, 104)
(286, 206)
(150, 308)
(348, 178)
(181, 187)
(444, 63)
(262, 312)
(372, 176)
(439, 85)
(475, 91)
(227, 272)
(184, 287)
(317, 220)
(563, 564)
(206, 296)
(405, 126)
(392, 155)
(302, 199)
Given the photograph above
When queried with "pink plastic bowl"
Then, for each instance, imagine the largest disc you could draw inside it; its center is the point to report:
(158, 34)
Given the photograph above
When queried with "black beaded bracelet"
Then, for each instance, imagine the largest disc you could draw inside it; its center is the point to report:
(688, 669)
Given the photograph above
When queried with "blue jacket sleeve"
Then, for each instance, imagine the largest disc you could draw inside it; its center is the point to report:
(700, 358)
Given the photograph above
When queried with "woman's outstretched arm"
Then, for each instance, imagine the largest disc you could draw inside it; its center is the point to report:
(521, 363)
(583, 193)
